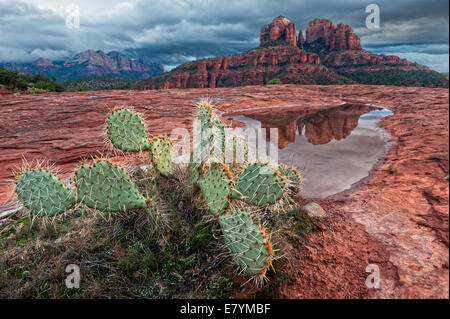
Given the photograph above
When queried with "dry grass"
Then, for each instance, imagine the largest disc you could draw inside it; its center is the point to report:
(171, 249)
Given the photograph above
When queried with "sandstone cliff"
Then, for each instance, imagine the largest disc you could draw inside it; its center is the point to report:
(330, 54)
(340, 37)
(280, 28)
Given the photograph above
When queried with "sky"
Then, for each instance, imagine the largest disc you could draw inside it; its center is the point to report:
(173, 32)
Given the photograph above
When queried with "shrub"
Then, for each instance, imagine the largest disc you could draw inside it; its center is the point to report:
(275, 81)
(13, 80)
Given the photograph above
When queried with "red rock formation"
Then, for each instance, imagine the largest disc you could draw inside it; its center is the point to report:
(300, 39)
(363, 57)
(254, 67)
(280, 28)
(340, 37)
(278, 56)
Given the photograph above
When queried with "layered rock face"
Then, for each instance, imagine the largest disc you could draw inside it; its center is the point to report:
(345, 49)
(300, 39)
(330, 54)
(340, 37)
(280, 28)
(258, 66)
(114, 62)
(364, 58)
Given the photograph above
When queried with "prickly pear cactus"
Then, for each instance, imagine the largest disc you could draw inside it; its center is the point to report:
(240, 149)
(106, 187)
(126, 130)
(43, 194)
(216, 187)
(193, 173)
(205, 111)
(161, 150)
(209, 140)
(259, 184)
(292, 177)
(248, 244)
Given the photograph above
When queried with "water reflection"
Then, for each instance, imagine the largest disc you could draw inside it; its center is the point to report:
(334, 147)
(319, 126)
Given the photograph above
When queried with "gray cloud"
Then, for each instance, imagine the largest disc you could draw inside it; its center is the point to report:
(173, 32)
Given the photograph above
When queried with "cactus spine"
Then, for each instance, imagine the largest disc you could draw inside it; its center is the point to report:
(106, 187)
(248, 244)
(216, 187)
(126, 130)
(43, 194)
(259, 184)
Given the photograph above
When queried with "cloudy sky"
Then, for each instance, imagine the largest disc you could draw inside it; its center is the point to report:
(176, 31)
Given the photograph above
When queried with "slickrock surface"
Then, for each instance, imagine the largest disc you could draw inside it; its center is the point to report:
(397, 218)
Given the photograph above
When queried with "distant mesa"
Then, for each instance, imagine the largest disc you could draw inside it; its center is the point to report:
(89, 64)
(328, 54)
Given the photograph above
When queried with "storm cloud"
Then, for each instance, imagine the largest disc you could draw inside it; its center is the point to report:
(177, 31)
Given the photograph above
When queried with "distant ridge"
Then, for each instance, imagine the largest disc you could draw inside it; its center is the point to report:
(89, 64)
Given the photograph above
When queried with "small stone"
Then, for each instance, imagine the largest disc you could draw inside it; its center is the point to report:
(313, 210)
(321, 226)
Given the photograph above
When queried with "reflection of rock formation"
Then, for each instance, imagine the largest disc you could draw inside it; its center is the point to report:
(321, 126)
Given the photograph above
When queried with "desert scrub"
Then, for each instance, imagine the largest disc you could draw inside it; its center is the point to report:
(142, 230)
(275, 81)
(119, 257)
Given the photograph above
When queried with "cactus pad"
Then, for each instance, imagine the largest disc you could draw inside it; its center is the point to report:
(106, 187)
(292, 177)
(216, 187)
(161, 149)
(193, 173)
(248, 244)
(126, 130)
(205, 111)
(210, 142)
(259, 184)
(43, 194)
(240, 149)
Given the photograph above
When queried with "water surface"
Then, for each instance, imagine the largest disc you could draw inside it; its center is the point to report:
(332, 147)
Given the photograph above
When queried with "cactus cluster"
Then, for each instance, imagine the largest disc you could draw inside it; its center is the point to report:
(230, 199)
(258, 184)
